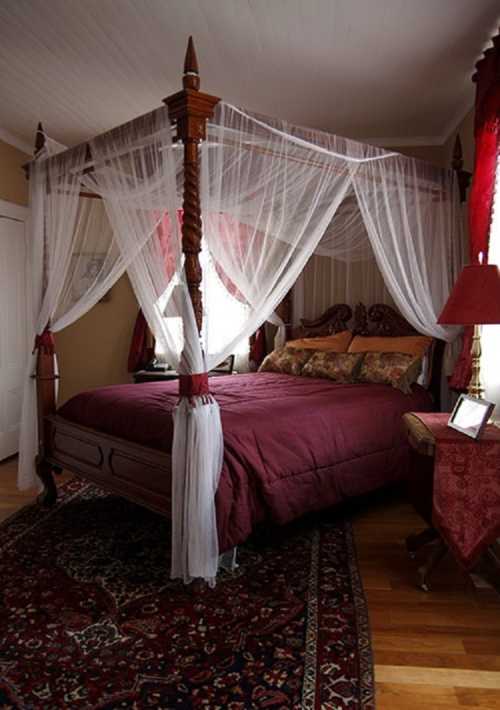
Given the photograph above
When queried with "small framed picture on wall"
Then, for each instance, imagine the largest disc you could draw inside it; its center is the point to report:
(87, 270)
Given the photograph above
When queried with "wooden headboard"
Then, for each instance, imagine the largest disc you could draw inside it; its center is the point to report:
(379, 319)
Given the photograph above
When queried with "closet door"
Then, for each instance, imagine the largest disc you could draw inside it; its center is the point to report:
(13, 326)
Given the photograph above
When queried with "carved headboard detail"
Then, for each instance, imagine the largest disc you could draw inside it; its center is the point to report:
(377, 320)
(333, 320)
(380, 320)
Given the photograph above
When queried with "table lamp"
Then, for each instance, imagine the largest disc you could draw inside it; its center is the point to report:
(474, 300)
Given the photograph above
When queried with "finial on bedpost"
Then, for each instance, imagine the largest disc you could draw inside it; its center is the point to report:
(39, 146)
(189, 110)
(457, 164)
(191, 78)
(39, 139)
(457, 160)
(45, 377)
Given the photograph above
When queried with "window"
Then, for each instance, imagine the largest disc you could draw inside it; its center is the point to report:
(223, 316)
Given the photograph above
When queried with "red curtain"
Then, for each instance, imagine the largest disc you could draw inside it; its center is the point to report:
(258, 348)
(142, 347)
(487, 144)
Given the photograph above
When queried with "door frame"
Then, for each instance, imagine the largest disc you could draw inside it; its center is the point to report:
(11, 211)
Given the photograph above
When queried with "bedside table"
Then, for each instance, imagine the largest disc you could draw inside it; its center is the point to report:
(420, 492)
(154, 376)
(454, 484)
(224, 368)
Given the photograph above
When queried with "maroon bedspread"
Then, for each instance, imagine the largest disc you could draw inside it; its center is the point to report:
(292, 444)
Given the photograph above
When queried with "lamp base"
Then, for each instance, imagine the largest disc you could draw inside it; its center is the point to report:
(475, 388)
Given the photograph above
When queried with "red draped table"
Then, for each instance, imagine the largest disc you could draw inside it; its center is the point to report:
(465, 506)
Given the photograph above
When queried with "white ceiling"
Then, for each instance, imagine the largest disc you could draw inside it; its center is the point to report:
(397, 71)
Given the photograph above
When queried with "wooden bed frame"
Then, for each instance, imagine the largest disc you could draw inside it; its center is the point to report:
(136, 472)
(143, 475)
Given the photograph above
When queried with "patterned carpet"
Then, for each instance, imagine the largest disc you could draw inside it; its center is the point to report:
(90, 619)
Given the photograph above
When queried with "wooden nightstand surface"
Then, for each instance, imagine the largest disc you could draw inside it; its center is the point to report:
(420, 437)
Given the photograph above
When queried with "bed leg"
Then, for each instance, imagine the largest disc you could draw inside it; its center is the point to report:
(416, 540)
(48, 496)
(423, 573)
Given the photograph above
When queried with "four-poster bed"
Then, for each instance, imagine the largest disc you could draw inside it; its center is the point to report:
(135, 461)
(183, 472)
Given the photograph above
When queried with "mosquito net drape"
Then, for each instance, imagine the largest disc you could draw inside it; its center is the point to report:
(73, 261)
(136, 172)
(272, 195)
(266, 184)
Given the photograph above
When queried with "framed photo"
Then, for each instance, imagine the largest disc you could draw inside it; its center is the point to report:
(470, 415)
(86, 271)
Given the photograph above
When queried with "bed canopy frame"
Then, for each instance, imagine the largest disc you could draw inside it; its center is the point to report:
(111, 462)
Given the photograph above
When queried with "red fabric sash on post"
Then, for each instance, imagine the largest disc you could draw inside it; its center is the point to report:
(193, 385)
(45, 342)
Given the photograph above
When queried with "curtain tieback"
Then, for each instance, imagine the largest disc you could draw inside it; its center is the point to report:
(193, 385)
(45, 342)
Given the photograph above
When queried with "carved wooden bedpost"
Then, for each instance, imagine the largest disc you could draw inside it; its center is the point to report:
(45, 377)
(189, 109)
(285, 311)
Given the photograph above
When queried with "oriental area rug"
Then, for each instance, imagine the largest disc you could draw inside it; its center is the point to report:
(90, 619)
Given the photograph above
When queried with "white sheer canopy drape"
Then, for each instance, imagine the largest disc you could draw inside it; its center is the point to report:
(79, 249)
(136, 169)
(276, 193)
(412, 216)
(72, 260)
(272, 195)
(266, 203)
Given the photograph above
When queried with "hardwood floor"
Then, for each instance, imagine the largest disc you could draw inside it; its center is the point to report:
(439, 649)
(436, 650)
(10, 498)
